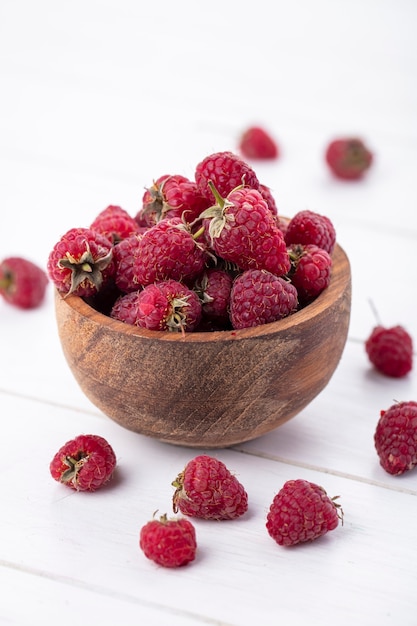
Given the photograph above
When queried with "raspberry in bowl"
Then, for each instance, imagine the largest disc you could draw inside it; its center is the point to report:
(221, 339)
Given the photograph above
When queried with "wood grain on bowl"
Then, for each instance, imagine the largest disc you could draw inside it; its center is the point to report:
(212, 389)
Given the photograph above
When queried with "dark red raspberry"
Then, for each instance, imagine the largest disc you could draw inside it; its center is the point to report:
(396, 437)
(308, 227)
(22, 283)
(166, 305)
(348, 158)
(125, 255)
(171, 196)
(115, 223)
(259, 297)
(301, 511)
(81, 262)
(169, 250)
(226, 171)
(84, 463)
(390, 350)
(213, 288)
(207, 489)
(242, 230)
(311, 270)
(257, 143)
(169, 542)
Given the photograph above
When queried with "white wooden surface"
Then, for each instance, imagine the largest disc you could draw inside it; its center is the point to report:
(97, 100)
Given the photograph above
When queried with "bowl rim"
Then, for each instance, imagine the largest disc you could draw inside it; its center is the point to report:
(325, 299)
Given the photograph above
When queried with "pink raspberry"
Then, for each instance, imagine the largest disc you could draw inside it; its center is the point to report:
(22, 283)
(257, 143)
(114, 223)
(311, 270)
(396, 437)
(390, 350)
(171, 196)
(81, 262)
(226, 171)
(308, 227)
(166, 305)
(242, 230)
(259, 297)
(168, 250)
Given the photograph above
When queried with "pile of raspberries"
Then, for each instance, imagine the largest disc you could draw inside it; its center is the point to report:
(210, 253)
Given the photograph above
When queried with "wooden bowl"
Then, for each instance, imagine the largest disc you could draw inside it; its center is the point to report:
(207, 389)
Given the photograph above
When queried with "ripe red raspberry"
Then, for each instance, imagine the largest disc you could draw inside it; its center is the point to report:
(301, 511)
(171, 196)
(115, 223)
(169, 250)
(396, 437)
(242, 230)
(81, 262)
(257, 143)
(390, 350)
(308, 227)
(259, 297)
(311, 270)
(213, 288)
(226, 171)
(125, 255)
(268, 196)
(22, 283)
(348, 158)
(206, 489)
(84, 463)
(166, 305)
(169, 542)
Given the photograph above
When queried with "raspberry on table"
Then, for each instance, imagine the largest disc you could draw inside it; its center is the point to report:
(301, 511)
(226, 171)
(390, 350)
(259, 297)
(84, 463)
(169, 542)
(206, 489)
(396, 437)
(81, 262)
(257, 143)
(309, 227)
(22, 283)
(348, 158)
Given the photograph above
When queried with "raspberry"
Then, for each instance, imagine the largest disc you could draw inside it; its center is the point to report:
(268, 196)
(259, 297)
(257, 143)
(243, 230)
(226, 171)
(348, 158)
(396, 437)
(169, 542)
(167, 305)
(114, 223)
(213, 288)
(81, 262)
(22, 283)
(311, 270)
(84, 463)
(125, 255)
(390, 350)
(301, 511)
(308, 227)
(168, 250)
(171, 196)
(206, 489)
